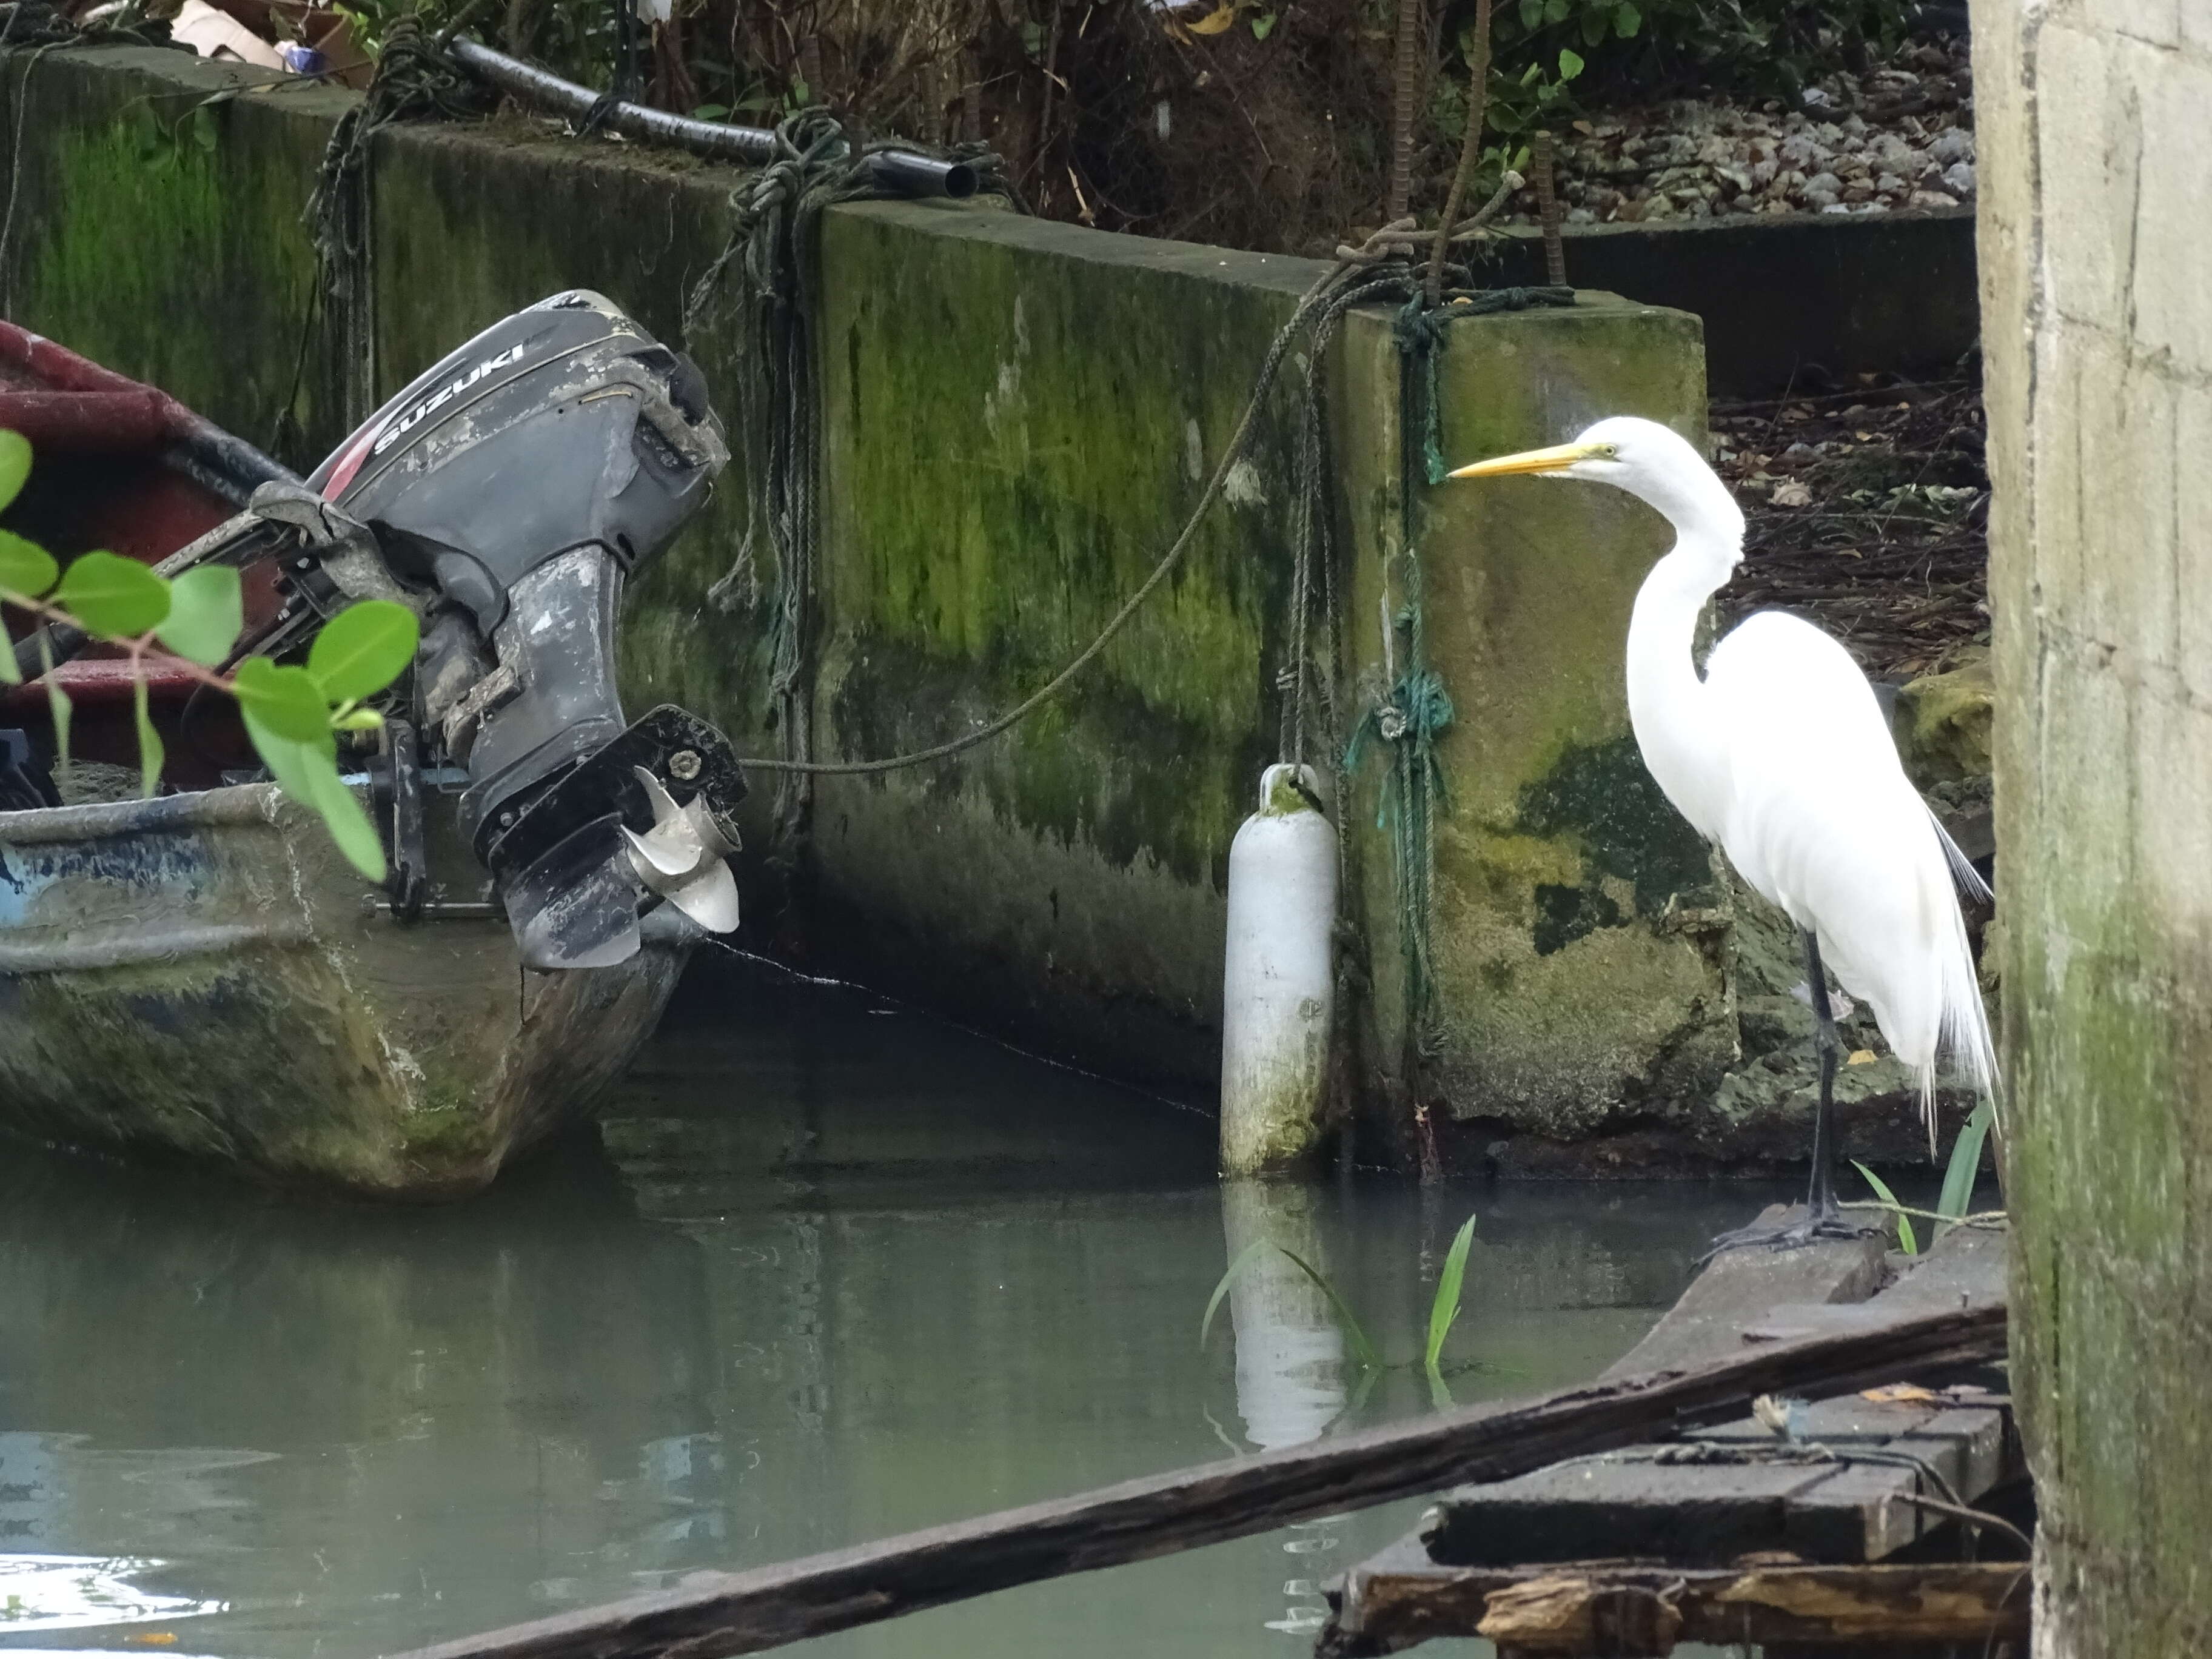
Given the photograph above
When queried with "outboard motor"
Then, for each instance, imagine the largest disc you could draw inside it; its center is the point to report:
(505, 496)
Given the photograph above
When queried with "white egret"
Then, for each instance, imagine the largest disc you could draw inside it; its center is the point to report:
(1780, 753)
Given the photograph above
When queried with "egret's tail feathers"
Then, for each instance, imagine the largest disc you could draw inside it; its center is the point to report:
(1964, 1032)
(1962, 869)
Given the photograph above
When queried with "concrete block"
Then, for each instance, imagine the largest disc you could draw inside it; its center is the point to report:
(1569, 995)
(2095, 139)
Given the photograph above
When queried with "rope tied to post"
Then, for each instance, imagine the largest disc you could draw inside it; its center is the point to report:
(1409, 713)
(773, 245)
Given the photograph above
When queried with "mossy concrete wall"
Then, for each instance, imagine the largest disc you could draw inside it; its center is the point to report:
(2096, 147)
(1018, 416)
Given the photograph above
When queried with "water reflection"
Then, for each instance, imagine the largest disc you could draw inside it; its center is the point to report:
(837, 1272)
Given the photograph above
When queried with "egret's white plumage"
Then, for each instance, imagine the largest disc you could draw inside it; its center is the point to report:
(1779, 752)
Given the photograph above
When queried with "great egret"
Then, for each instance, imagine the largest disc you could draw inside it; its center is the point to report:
(1780, 753)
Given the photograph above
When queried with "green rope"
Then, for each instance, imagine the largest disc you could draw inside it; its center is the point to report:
(772, 245)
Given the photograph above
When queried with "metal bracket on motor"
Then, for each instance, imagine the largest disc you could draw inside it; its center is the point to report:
(396, 788)
(564, 868)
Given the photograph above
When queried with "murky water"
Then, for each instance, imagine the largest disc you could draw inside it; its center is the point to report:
(836, 1272)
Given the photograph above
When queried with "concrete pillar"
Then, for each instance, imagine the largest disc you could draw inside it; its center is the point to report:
(2096, 161)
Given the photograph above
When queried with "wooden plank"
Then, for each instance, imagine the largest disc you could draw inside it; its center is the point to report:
(1396, 1603)
(1737, 1285)
(717, 1614)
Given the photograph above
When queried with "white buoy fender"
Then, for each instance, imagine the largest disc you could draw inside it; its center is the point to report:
(1279, 982)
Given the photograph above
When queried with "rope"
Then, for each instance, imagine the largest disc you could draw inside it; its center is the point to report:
(415, 79)
(1412, 711)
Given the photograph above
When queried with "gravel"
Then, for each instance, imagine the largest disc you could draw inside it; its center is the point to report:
(1899, 137)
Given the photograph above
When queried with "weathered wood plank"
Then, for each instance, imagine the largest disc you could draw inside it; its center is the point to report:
(1400, 1600)
(719, 1614)
(1740, 1284)
(1626, 1505)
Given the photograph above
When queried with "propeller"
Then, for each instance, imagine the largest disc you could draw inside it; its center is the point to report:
(683, 858)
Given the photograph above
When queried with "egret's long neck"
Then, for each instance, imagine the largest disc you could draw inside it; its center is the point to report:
(1668, 703)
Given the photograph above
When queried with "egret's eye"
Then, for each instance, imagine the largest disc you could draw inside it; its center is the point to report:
(1610, 452)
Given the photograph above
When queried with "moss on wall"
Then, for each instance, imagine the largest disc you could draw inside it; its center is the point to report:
(158, 232)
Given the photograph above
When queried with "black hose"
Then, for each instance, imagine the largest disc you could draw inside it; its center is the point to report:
(902, 171)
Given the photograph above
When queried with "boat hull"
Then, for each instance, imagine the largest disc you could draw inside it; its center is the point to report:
(204, 974)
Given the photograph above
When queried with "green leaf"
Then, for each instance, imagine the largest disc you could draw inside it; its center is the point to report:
(285, 757)
(111, 597)
(363, 649)
(1263, 26)
(206, 613)
(1555, 11)
(9, 674)
(285, 701)
(1237, 1263)
(1966, 1164)
(1626, 20)
(1532, 14)
(1594, 24)
(1570, 64)
(27, 570)
(1907, 1240)
(1362, 1349)
(343, 818)
(57, 704)
(14, 465)
(710, 112)
(151, 753)
(1443, 1311)
(307, 771)
(357, 719)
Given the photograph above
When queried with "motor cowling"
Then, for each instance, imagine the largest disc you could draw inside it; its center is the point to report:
(506, 495)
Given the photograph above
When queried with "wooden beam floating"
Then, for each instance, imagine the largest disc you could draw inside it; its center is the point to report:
(713, 1614)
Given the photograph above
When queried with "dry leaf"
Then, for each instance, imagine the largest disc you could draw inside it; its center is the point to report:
(1898, 1394)
(1214, 22)
(1794, 493)
(1861, 1057)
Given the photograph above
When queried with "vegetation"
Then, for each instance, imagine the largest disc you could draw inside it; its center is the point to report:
(1261, 124)
(1958, 1175)
(292, 714)
(1443, 1307)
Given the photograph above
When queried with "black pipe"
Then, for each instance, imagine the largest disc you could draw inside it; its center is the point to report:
(902, 171)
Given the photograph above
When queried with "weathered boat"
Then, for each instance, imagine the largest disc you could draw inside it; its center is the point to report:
(204, 973)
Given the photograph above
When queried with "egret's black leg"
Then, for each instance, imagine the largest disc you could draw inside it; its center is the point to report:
(1821, 1219)
(1828, 1044)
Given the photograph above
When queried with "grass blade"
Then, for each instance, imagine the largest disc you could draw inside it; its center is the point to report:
(1362, 1349)
(1237, 1263)
(1966, 1164)
(1439, 1395)
(1907, 1240)
(1443, 1311)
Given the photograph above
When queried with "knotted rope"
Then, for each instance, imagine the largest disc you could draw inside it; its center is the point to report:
(1409, 714)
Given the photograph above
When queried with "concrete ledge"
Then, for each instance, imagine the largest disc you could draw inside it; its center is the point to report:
(1849, 292)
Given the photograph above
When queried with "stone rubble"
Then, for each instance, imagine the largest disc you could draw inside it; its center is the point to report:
(1899, 137)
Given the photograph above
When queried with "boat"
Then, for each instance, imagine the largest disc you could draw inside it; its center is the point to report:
(203, 972)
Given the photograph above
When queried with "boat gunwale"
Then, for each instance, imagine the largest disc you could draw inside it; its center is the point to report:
(233, 807)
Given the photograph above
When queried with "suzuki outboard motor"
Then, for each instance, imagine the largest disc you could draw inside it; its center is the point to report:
(506, 495)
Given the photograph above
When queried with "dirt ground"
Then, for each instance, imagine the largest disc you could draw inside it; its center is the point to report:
(1869, 513)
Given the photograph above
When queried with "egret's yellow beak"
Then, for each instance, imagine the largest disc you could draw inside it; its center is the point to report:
(1558, 459)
